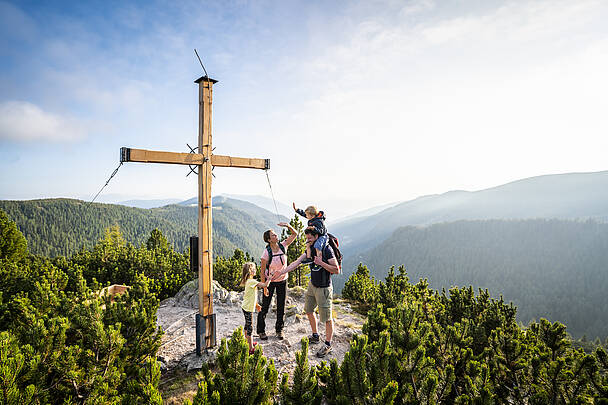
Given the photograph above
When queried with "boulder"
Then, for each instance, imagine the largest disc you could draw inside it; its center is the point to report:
(219, 293)
(234, 297)
(296, 292)
(187, 296)
(168, 302)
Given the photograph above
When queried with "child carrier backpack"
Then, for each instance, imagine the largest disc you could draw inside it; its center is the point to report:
(270, 254)
(335, 245)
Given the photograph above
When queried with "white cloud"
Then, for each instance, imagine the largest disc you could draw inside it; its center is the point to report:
(417, 7)
(516, 22)
(23, 121)
(452, 101)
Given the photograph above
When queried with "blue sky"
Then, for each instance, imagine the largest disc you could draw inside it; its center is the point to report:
(355, 103)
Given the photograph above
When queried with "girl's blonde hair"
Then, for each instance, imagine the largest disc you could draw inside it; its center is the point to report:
(312, 210)
(247, 267)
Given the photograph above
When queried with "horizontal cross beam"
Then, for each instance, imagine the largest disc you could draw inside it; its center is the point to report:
(229, 161)
(152, 156)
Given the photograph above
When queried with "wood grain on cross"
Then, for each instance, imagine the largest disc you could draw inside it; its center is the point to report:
(205, 160)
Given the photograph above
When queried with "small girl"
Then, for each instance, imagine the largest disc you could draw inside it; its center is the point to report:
(250, 299)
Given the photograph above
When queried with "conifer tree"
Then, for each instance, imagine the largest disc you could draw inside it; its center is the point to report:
(78, 346)
(228, 270)
(395, 287)
(13, 365)
(353, 382)
(144, 389)
(361, 287)
(13, 246)
(202, 396)
(157, 241)
(305, 388)
(599, 375)
(243, 378)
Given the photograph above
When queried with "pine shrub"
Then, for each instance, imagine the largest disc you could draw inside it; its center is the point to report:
(305, 387)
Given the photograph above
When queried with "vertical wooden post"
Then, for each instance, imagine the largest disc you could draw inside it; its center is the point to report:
(205, 160)
(205, 218)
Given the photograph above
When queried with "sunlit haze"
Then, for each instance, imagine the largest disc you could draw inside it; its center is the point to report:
(356, 104)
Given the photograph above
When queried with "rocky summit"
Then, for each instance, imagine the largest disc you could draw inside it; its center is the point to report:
(176, 316)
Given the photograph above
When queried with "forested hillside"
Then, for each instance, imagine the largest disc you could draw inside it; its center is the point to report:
(547, 268)
(62, 226)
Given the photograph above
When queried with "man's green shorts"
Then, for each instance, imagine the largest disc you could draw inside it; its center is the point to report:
(316, 296)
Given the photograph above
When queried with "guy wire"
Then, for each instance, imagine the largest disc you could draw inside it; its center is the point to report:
(272, 194)
(104, 186)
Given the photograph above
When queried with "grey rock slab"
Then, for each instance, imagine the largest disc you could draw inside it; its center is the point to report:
(177, 317)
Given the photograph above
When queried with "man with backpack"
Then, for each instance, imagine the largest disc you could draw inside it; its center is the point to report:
(274, 258)
(320, 290)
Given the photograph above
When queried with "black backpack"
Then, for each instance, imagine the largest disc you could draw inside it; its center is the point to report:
(335, 245)
(270, 254)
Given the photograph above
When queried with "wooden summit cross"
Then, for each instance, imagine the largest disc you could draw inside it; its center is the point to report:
(204, 159)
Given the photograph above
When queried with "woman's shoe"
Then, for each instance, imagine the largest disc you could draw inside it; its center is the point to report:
(251, 351)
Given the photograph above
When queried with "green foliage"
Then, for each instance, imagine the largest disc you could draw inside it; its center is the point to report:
(63, 342)
(202, 397)
(144, 388)
(243, 378)
(13, 246)
(362, 377)
(300, 275)
(157, 241)
(305, 388)
(599, 376)
(394, 288)
(361, 287)
(114, 261)
(12, 367)
(228, 271)
(461, 348)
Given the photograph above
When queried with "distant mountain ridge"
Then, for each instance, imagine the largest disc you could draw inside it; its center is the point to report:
(563, 196)
(549, 268)
(149, 203)
(365, 213)
(258, 200)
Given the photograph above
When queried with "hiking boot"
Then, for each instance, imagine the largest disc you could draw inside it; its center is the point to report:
(323, 351)
(263, 336)
(312, 339)
(280, 335)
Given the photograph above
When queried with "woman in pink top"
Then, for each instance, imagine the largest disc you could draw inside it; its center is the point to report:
(274, 258)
